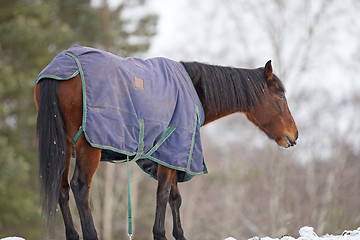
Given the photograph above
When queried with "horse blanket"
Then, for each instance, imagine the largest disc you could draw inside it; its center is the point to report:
(144, 110)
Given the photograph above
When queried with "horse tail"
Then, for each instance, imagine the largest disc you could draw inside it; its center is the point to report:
(52, 149)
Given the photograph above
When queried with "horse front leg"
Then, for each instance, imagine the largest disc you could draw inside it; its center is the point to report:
(165, 179)
(175, 203)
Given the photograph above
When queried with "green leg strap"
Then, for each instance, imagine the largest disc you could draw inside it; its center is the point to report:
(129, 201)
(77, 135)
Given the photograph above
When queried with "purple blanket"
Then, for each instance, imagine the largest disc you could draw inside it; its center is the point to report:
(147, 110)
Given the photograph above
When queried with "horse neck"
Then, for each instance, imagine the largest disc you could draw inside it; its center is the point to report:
(225, 90)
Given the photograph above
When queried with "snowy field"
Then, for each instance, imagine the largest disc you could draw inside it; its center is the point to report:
(306, 233)
(12, 238)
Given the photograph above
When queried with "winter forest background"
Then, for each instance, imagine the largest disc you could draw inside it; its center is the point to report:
(253, 188)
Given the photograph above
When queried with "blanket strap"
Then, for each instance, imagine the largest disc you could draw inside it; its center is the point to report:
(165, 136)
(129, 201)
(140, 150)
(78, 135)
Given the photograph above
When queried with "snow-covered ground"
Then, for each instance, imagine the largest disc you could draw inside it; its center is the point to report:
(12, 238)
(307, 233)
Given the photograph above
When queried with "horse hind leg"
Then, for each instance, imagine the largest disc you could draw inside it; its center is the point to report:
(71, 233)
(175, 203)
(87, 162)
(87, 159)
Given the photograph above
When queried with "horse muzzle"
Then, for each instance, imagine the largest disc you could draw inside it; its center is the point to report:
(288, 141)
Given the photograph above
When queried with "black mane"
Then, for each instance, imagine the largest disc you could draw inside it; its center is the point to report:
(227, 89)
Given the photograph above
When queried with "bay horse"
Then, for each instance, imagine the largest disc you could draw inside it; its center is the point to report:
(258, 93)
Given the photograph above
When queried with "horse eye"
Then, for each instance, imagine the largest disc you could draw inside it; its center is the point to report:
(282, 96)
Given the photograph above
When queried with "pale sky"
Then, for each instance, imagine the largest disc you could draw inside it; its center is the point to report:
(208, 31)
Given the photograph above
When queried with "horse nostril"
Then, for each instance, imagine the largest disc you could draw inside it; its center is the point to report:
(297, 135)
(291, 142)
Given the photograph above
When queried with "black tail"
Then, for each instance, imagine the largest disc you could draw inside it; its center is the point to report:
(52, 148)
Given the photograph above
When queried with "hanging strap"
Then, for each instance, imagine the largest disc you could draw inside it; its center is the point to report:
(129, 201)
(78, 135)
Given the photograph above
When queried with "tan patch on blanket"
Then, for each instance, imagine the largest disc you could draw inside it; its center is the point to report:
(139, 83)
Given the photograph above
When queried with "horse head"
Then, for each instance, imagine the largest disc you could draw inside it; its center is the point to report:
(272, 115)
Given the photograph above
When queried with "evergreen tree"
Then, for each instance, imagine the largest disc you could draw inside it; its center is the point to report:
(32, 32)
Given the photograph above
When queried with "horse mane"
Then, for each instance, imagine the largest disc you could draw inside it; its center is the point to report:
(227, 88)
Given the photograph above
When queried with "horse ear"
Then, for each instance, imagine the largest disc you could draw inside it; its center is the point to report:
(268, 71)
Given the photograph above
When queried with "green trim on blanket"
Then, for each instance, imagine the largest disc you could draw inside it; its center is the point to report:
(56, 77)
(193, 138)
(83, 85)
(203, 113)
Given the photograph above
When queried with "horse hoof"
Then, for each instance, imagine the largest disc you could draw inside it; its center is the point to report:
(160, 238)
(72, 236)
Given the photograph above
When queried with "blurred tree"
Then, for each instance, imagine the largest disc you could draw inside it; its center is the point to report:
(32, 32)
(25, 28)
